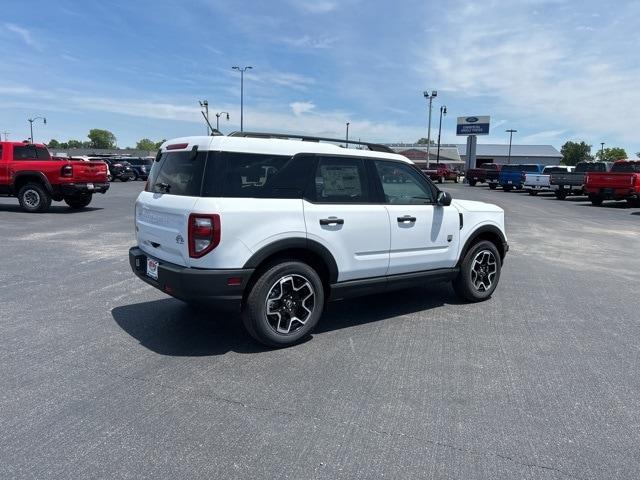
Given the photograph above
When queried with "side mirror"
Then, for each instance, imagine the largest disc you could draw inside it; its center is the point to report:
(444, 199)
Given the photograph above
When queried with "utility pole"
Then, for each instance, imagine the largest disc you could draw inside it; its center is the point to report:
(347, 138)
(6, 135)
(511, 131)
(430, 97)
(242, 70)
(218, 119)
(31, 120)
(443, 111)
(205, 105)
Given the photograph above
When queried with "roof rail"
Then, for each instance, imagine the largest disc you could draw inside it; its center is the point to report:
(374, 147)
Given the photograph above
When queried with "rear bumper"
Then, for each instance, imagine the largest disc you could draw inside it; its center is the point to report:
(192, 284)
(614, 193)
(80, 188)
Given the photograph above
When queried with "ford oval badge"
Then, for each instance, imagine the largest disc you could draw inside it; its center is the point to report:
(471, 119)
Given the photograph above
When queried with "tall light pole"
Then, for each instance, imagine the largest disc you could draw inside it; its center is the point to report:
(430, 97)
(242, 70)
(602, 151)
(6, 135)
(443, 111)
(511, 131)
(218, 119)
(346, 143)
(31, 120)
(205, 105)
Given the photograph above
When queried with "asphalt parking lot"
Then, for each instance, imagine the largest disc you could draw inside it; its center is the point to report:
(104, 377)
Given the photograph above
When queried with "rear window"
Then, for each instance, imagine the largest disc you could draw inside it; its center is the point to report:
(178, 173)
(489, 166)
(591, 167)
(511, 168)
(30, 152)
(529, 168)
(554, 169)
(626, 167)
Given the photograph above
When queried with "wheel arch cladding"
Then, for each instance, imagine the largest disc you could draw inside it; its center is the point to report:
(308, 251)
(486, 232)
(22, 178)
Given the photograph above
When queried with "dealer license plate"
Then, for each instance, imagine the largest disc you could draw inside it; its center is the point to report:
(89, 186)
(152, 268)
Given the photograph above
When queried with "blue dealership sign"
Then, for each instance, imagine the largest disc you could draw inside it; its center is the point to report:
(473, 125)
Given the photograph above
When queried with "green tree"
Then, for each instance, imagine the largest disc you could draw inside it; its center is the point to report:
(101, 138)
(53, 143)
(574, 152)
(146, 144)
(159, 144)
(424, 141)
(74, 144)
(611, 154)
(638, 154)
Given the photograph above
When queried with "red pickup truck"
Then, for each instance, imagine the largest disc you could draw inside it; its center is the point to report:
(29, 172)
(440, 172)
(621, 183)
(481, 174)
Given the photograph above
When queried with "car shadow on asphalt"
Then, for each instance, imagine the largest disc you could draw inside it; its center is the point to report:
(57, 209)
(171, 327)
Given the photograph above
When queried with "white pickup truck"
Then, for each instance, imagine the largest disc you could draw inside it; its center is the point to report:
(541, 182)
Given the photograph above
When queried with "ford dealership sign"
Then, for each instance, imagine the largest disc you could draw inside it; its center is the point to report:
(473, 125)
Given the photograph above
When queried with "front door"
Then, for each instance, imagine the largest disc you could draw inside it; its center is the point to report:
(424, 235)
(340, 213)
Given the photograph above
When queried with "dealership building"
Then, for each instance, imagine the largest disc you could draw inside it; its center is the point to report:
(456, 154)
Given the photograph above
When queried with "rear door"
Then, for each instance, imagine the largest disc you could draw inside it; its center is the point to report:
(341, 213)
(424, 235)
(162, 212)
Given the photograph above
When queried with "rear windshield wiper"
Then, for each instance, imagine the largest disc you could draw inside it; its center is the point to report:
(163, 187)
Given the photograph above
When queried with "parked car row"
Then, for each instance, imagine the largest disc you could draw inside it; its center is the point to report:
(599, 181)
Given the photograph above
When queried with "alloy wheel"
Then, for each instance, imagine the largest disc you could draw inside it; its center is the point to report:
(290, 303)
(484, 269)
(31, 198)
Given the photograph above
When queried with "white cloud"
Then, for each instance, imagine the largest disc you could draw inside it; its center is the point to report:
(307, 41)
(23, 33)
(550, 73)
(314, 6)
(298, 108)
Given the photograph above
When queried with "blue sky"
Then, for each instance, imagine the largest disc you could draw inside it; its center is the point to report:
(554, 70)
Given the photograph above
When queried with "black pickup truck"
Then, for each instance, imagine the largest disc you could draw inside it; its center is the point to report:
(572, 183)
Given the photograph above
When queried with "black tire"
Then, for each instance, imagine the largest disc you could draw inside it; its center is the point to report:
(533, 193)
(507, 188)
(124, 178)
(596, 199)
(561, 194)
(264, 327)
(34, 198)
(466, 283)
(472, 183)
(456, 180)
(78, 202)
(441, 180)
(493, 186)
(135, 176)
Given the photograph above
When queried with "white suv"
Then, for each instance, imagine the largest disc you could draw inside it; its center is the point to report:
(275, 226)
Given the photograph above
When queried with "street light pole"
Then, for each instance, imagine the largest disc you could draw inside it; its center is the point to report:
(443, 111)
(6, 135)
(347, 138)
(218, 119)
(511, 131)
(31, 120)
(430, 97)
(242, 70)
(205, 104)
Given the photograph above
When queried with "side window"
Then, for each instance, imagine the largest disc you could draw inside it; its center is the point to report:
(402, 185)
(340, 180)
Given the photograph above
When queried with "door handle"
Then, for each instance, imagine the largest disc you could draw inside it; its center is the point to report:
(331, 221)
(407, 218)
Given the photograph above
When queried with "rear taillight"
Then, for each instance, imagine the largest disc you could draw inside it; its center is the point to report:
(67, 171)
(204, 233)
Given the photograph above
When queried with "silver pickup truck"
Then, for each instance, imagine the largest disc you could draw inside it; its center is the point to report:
(541, 182)
(572, 183)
